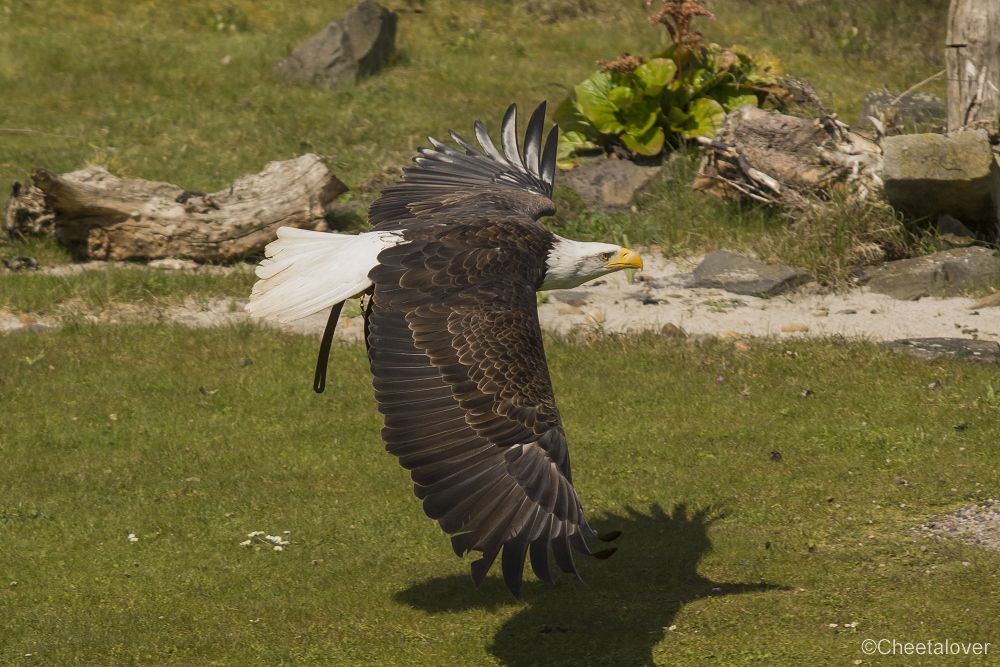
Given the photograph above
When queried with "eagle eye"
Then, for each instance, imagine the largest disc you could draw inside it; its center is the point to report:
(605, 256)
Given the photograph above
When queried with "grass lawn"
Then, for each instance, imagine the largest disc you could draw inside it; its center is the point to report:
(104, 432)
(119, 284)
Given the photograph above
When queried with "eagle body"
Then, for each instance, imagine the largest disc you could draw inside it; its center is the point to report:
(451, 270)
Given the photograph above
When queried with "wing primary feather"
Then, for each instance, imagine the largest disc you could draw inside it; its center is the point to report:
(512, 563)
(508, 138)
(540, 560)
(319, 379)
(484, 140)
(533, 140)
(579, 544)
(470, 149)
(563, 556)
(549, 158)
(482, 566)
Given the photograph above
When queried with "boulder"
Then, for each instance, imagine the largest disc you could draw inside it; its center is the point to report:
(356, 45)
(944, 273)
(742, 275)
(954, 233)
(930, 174)
(982, 351)
(912, 109)
(607, 185)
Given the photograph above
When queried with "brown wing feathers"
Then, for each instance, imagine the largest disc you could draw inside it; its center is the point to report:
(457, 358)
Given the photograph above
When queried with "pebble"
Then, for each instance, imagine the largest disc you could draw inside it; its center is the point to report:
(570, 310)
(794, 327)
(673, 331)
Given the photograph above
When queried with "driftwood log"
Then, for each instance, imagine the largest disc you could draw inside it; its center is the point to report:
(972, 60)
(785, 160)
(111, 218)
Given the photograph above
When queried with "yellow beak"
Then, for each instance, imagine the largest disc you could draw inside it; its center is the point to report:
(625, 259)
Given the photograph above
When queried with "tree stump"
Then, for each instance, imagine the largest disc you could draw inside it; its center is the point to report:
(972, 59)
(111, 218)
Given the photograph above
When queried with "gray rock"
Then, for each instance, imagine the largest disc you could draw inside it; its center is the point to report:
(700, 338)
(982, 351)
(356, 45)
(912, 109)
(606, 184)
(950, 225)
(20, 263)
(929, 174)
(742, 275)
(945, 273)
(34, 327)
(572, 297)
(953, 233)
(671, 330)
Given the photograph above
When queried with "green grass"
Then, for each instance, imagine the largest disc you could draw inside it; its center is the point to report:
(29, 292)
(669, 442)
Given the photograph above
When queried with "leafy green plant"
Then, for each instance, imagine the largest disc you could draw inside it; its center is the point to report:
(682, 93)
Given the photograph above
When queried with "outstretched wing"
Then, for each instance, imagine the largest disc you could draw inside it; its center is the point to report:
(445, 175)
(461, 378)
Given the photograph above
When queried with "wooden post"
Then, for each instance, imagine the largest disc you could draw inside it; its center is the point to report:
(972, 58)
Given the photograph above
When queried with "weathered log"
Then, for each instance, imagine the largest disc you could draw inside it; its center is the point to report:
(784, 160)
(112, 218)
(972, 60)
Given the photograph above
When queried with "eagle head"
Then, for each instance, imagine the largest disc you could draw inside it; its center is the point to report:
(571, 263)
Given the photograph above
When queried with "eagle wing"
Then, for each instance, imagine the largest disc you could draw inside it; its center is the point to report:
(456, 353)
(461, 379)
(444, 174)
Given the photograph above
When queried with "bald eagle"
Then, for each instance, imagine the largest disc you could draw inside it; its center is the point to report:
(450, 273)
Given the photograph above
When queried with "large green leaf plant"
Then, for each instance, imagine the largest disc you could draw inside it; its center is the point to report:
(645, 104)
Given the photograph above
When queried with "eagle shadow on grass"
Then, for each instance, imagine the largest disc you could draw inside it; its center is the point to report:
(615, 620)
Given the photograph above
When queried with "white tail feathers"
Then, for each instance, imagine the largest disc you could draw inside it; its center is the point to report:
(306, 272)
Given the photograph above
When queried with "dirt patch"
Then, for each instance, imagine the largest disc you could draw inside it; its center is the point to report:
(977, 524)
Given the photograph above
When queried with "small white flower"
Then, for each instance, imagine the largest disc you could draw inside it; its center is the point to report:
(245, 544)
(283, 542)
(288, 532)
(132, 537)
(277, 548)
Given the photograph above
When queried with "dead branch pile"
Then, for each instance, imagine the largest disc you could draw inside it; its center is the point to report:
(785, 160)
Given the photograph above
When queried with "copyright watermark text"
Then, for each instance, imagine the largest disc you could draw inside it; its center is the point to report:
(928, 647)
